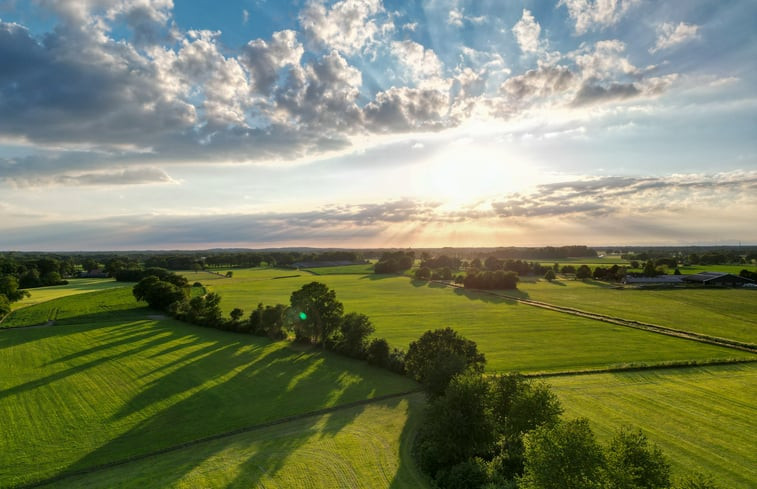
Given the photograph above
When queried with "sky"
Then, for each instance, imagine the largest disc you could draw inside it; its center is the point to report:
(137, 124)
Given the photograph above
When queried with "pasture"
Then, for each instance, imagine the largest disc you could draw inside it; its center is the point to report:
(367, 447)
(106, 304)
(75, 286)
(725, 313)
(702, 418)
(513, 336)
(101, 389)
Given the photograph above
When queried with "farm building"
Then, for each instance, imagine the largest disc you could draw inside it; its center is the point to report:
(717, 279)
(658, 280)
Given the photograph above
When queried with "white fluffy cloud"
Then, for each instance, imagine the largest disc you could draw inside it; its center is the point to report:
(527, 32)
(670, 35)
(347, 26)
(596, 14)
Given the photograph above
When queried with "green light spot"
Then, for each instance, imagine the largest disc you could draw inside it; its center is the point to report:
(303, 316)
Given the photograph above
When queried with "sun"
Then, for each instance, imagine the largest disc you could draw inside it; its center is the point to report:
(464, 172)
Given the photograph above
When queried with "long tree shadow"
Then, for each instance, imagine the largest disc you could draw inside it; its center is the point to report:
(227, 388)
(137, 338)
(493, 297)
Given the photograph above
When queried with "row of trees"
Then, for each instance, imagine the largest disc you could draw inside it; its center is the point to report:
(314, 316)
(394, 262)
(505, 431)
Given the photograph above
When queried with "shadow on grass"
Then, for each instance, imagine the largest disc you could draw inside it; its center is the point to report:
(493, 297)
(380, 276)
(225, 387)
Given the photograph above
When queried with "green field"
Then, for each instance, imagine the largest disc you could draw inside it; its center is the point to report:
(75, 286)
(103, 390)
(107, 304)
(342, 270)
(366, 447)
(725, 313)
(702, 418)
(513, 336)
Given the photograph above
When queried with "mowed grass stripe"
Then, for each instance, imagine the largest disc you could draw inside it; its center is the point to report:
(84, 395)
(513, 336)
(364, 446)
(703, 418)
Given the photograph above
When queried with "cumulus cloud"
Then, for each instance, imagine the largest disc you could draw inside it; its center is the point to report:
(596, 14)
(347, 26)
(527, 32)
(421, 64)
(670, 35)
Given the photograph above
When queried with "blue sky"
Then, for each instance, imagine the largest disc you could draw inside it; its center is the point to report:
(360, 123)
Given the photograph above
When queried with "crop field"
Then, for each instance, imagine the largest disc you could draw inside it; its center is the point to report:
(513, 336)
(75, 286)
(367, 447)
(702, 418)
(725, 313)
(103, 390)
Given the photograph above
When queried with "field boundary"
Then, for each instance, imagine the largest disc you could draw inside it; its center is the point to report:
(638, 368)
(217, 436)
(630, 323)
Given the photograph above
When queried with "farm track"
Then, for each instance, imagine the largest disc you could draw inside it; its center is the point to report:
(653, 328)
(218, 436)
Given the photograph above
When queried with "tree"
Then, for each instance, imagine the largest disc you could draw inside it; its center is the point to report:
(456, 426)
(519, 405)
(5, 306)
(565, 456)
(157, 293)
(236, 314)
(9, 287)
(550, 275)
(352, 337)
(583, 272)
(423, 273)
(439, 355)
(631, 463)
(318, 311)
(377, 352)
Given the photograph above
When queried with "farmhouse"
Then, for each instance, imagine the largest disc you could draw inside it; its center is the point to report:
(716, 279)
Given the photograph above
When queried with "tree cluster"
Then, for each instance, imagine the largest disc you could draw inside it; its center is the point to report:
(314, 315)
(490, 280)
(394, 262)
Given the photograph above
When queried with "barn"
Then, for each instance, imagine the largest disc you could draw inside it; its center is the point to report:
(716, 279)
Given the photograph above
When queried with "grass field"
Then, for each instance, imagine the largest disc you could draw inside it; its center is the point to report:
(512, 335)
(702, 418)
(108, 304)
(726, 313)
(75, 397)
(343, 270)
(75, 286)
(364, 447)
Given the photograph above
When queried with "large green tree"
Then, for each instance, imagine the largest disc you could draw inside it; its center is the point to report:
(633, 463)
(437, 356)
(317, 312)
(564, 456)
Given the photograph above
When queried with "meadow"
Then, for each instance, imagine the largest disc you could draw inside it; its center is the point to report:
(112, 379)
(74, 286)
(702, 418)
(513, 336)
(99, 390)
(725, 313)
(106, 304)
(367, 447)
